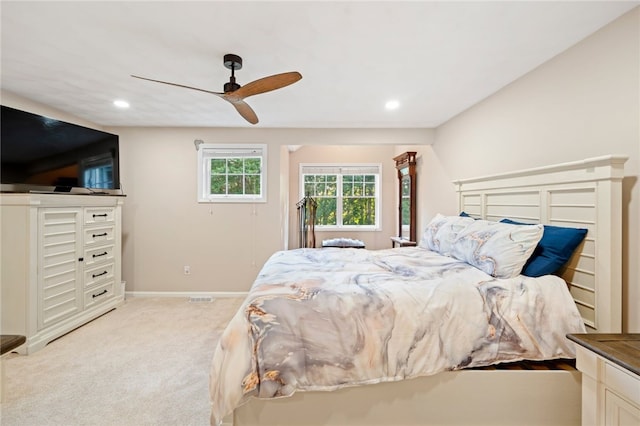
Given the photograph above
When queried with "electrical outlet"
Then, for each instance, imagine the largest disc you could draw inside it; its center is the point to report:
(187, 270)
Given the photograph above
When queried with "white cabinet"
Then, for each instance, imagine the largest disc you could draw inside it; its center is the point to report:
(59, 272)
(610, 381)
(61, 263)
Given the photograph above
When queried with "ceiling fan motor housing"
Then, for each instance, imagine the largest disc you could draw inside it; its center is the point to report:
(232, 62)
(231, 86)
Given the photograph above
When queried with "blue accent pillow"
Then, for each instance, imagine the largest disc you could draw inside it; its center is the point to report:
(554, 249)
(465, 214)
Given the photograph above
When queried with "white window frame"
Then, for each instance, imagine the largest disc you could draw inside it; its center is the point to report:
(208, 151)
(339, 168)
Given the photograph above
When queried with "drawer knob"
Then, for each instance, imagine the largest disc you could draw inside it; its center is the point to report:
(100, 254)
(104, 234)
(100, 215)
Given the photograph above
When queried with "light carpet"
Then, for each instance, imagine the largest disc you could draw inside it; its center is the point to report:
(145, 363)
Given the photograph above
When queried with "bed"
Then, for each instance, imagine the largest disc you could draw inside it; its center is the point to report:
(411, 323)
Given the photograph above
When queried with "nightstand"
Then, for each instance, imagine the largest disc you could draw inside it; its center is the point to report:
(610, 367)
(402, 242)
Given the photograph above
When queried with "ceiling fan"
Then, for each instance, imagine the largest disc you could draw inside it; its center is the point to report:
(235, 94)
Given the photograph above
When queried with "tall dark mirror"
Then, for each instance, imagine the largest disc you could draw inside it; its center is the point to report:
(406, 167)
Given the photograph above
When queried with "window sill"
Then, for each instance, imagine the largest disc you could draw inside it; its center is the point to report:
(346, 229)
(232, 200)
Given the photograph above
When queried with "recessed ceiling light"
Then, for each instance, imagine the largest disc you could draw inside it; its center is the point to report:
(393, 104)
(121, 104)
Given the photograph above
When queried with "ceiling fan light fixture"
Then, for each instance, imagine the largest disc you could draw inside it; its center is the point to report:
(392, 104)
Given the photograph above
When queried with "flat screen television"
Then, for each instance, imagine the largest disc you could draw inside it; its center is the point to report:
(44, 154)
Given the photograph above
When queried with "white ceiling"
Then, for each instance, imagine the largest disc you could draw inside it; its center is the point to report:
(437, 58)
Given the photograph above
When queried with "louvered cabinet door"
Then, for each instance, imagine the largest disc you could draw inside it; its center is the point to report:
(59, 268)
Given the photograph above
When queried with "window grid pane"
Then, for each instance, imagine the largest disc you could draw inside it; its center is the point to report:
(236, 176)
(359, 211)
(353, 205)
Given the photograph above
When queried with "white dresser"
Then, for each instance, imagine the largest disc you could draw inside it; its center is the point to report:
(61, 263)
(610, 367)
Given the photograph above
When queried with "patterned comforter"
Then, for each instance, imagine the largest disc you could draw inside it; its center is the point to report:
(324, 319)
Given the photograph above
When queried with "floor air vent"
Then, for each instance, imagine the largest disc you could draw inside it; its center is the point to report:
(201, 299)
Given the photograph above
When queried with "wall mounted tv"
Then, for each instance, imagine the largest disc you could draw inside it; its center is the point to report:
(43, 154)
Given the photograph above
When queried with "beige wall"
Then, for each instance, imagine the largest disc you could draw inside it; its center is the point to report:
(166, 228)
(583, 103)
(225, 244)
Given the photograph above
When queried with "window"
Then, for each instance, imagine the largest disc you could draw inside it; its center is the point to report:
(232, 173)
(348, 195)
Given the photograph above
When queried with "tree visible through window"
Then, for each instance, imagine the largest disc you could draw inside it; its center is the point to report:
(232, 173)
(235, 176)
(347, 195)
(324, 189)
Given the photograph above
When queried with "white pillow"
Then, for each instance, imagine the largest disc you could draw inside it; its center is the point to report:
(442, 231)
(499, 249)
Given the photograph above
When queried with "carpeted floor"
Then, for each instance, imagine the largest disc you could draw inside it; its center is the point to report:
(145, 363)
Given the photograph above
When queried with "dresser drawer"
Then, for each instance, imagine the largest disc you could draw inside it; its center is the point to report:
(98, 295)
(98, 215)
(99, 274)
(622, 382)
(99, 236)
(98, 255)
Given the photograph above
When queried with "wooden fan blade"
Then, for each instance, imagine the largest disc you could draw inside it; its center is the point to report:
(179, 85)
(267, 84)
(243, 108)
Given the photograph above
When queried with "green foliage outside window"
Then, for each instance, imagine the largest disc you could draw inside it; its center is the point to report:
(326, 211)
(355, 193)
(235, 176)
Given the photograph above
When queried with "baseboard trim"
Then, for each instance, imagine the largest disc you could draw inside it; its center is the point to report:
(187, 294)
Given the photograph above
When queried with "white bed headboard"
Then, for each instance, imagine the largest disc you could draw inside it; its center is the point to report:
(580, 194)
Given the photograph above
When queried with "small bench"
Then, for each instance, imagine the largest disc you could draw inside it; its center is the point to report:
(343, 243)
